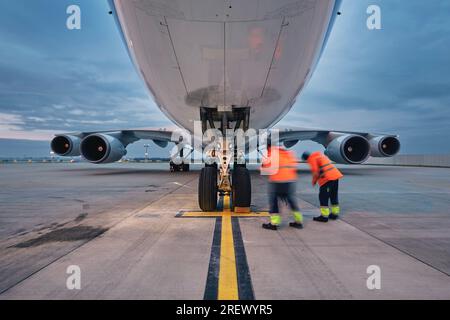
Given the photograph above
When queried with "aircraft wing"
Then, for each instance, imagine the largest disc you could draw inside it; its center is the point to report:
(321, 136)
(345, 146)
(110, 145)
(127, 136)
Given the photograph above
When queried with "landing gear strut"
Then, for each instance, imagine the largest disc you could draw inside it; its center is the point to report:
(218, 177)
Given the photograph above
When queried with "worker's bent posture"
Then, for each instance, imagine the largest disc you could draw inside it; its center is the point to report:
(327, 175)
(281, 167)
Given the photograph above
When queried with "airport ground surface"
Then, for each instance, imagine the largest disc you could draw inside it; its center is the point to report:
(118, 224)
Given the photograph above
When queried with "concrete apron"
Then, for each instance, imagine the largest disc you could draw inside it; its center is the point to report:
(154, 255)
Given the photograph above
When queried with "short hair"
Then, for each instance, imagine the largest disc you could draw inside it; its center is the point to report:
(305, 155)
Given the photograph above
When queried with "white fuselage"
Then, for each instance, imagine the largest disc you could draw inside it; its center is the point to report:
(210, 53)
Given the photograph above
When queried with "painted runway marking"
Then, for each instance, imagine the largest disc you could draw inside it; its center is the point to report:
(228, 274)
(192, 214)
(228, 287)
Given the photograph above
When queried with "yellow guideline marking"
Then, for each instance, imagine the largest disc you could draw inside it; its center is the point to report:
(228, 286)
(226, 211)
(242, 209)
(228, 282)
(200, 214)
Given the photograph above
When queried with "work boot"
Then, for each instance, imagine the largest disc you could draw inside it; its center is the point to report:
(333, 216)
(325, 213)
(296, 225)
(320, 219)
(269, 226)
(335, 210)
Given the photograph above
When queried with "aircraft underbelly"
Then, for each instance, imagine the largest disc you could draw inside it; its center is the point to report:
(194, 53)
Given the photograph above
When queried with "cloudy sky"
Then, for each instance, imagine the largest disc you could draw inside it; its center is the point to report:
(394, 80)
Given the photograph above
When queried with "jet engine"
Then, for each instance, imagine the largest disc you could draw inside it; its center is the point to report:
(384, 146)
(66, 146)
(102, 148)
(348, 149)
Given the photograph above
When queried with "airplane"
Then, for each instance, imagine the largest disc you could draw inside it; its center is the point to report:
(228, 65)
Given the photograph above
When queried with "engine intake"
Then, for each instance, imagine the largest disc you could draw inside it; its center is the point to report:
(102, 148)
(66, 146)
(384, 146)
(348, 149)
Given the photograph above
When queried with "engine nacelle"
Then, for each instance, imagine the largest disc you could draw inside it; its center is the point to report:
(102, 148)
(66, 146)
(348, 149)
(384, 146)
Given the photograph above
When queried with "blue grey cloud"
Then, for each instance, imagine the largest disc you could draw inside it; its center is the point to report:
(59, 80)
(395, 80)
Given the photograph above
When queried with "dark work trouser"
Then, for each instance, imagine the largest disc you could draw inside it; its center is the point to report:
(286, 192)
(329, 193)
(283, 191)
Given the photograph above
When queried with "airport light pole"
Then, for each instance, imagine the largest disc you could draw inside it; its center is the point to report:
(146, 146)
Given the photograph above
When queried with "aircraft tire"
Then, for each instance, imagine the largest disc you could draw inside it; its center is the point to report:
(242, 187)
(207, 189)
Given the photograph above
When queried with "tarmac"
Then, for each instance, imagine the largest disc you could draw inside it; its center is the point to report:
(135, 232)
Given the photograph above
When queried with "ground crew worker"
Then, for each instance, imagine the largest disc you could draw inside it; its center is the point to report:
(327, 175)
(281, 167)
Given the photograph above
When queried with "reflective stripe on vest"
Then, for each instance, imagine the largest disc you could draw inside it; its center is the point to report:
(322, 173)
(323, 168)
(325, 165)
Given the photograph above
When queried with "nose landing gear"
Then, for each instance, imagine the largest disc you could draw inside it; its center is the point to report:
(219, 177)
(241, 188)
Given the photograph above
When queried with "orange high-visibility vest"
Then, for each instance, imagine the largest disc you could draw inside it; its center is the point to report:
(322, 169)
(280, 165)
